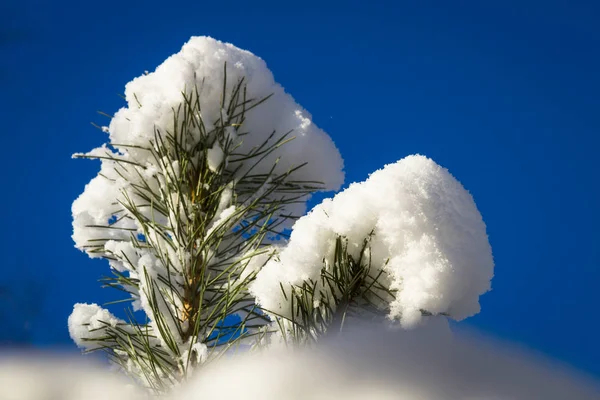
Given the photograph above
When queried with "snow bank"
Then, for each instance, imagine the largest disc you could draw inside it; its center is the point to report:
(428, 236)
(51, 377)
(421, 364)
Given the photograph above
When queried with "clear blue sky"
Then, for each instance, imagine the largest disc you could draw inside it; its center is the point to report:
(502, 93)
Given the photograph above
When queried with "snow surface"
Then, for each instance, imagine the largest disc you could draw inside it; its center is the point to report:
(53, 377)
(427, 235)
(421, 364)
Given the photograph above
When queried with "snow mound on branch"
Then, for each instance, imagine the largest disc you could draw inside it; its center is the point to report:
(427, 235)
(151, 101)
(200, 63)
(86, 324)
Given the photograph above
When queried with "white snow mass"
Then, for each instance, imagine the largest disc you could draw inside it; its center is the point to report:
(427, 235)
(87, 323)
(421, 364)
(151, 101)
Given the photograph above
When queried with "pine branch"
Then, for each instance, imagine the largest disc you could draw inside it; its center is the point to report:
(185, 231)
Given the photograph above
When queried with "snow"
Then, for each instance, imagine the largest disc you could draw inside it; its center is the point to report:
(47, 376)
(199, 354)
(428, 236)
(215, 157)
(151, 99)
(420, 364)
(202, 57)
(87, 321)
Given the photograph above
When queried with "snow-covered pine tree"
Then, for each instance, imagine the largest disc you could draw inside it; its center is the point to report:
(405, 245)
(208, 166)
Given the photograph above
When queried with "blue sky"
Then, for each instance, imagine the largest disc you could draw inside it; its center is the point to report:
(502, 93)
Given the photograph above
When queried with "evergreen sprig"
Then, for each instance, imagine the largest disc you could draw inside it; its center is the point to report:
(347, 289)
(350, 288)
(179, 208)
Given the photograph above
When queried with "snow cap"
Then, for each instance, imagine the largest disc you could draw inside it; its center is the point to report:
(427, 235)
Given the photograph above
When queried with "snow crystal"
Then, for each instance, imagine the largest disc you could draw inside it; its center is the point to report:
(427, 235)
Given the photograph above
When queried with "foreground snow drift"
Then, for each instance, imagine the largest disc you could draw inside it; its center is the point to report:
(423, 364)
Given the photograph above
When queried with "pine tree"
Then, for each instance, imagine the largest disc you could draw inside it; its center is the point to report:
(206, 171)
(188, 215)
